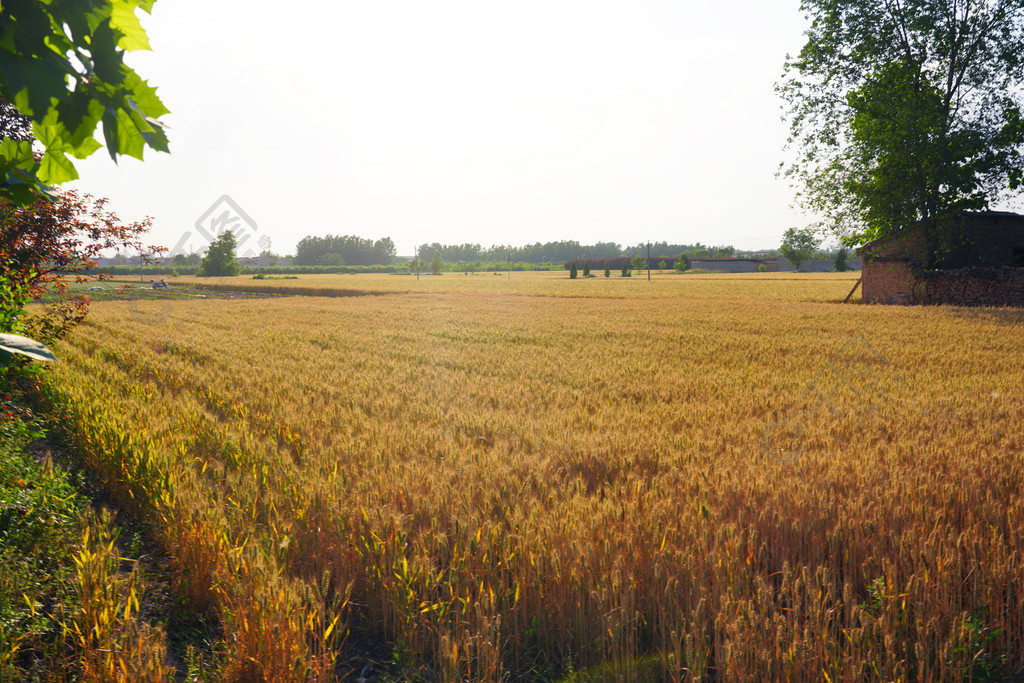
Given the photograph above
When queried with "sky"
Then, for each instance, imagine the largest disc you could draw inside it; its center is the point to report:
(455, 121)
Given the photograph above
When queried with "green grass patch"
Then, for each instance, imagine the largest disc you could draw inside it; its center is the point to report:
(39, 532)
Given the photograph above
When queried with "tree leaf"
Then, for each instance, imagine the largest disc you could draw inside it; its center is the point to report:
(62, 66)
(108, 60)
(15, 154)
(80, 115)
(124, 20)
(122, 135)
(55, 168)
(31, 83)
(15, 343)
(143, 96)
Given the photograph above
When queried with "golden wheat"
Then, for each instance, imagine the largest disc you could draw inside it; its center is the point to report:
(665, 284)
(688, 478)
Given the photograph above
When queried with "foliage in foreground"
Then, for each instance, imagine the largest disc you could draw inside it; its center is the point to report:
(62, 73)
(46, 246)
(700, 485)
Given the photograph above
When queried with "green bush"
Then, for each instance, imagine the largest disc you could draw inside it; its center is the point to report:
(841, 265)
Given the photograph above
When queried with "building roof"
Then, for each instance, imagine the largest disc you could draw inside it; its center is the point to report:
(912, 227)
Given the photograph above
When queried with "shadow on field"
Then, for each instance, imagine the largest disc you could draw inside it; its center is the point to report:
(1007, 316)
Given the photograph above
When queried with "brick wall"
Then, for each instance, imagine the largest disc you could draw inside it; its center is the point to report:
(894, 282)
(727, 265)
(887, 282)
(977, 251)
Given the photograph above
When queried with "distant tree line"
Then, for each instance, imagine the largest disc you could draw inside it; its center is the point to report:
(149, 271)
(560, 252)
(351, 250)
(394, 268)
(344, 250)
(697, 250)
(549, 252)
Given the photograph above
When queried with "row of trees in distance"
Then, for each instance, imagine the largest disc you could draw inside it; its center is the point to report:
(343, 250)
(333, 251)
(558, 252)
(351, 250)
(350, 253)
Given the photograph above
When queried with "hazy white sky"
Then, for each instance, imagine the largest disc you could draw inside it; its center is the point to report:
(486, 121)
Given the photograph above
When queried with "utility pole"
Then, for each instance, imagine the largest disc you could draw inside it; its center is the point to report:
(648, 261)
(416, 259)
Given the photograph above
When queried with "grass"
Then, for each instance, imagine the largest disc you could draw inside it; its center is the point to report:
(699, 477)
(131, 290)
(66, 606)
(39, 510)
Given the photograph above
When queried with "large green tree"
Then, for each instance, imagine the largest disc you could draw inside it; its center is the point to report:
(905, 111)
(798, 245)
(220, 256)
(62, 69)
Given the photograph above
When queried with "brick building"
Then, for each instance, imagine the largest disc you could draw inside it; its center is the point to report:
(730, 264)
(772, 264)
(979, 259)
(813, 265)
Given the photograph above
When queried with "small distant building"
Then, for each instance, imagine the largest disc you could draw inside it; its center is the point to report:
(980, 262)
(257, 261)
(262, 262)
(817, 265)
(119, 261)
(772, 264)
(731, 265)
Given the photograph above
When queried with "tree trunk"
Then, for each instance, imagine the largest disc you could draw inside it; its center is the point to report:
(931, 243)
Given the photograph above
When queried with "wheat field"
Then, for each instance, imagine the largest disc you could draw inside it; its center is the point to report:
(693, 478)
(663, 284)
